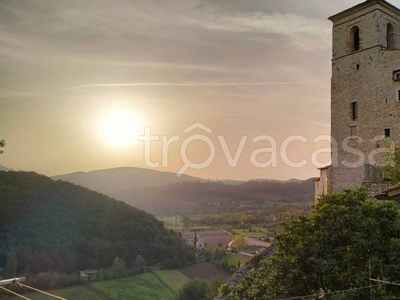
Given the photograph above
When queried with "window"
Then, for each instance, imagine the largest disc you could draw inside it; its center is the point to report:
(387, 133)
(391, 37)
(354, 110)
(353, 130)
(358, 67)
(396, 75)
(398, 95)
(355, 38)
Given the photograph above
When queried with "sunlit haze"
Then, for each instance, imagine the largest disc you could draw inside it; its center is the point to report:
(80, 81)
(120, 128)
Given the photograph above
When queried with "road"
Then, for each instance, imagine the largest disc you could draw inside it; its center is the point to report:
(251, 242)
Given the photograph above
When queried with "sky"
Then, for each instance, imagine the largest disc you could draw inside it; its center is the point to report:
(222, 76)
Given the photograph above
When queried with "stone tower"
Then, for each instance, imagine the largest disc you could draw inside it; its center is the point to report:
(365, 95)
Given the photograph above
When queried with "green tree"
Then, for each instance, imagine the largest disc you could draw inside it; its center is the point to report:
(212, 287)
(391, 166)
(10, 270)
(345, 241)
(167, 264)
(193, 290)
(118, 265)
(140, 263)
(2, 144)
(239, 241)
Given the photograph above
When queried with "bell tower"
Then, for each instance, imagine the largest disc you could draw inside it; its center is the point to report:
(365, 92)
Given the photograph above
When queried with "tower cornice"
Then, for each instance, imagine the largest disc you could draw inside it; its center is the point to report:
(362, 6)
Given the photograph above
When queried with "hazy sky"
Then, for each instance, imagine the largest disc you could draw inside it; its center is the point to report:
(240, 67)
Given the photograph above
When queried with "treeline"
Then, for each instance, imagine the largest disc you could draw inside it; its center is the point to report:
(190, 198)
(60, 227)
(251, 217)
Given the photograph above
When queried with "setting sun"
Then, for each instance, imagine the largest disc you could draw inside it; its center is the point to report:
(120, 128)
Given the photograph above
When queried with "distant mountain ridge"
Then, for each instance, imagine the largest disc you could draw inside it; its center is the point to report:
(163, 193)
(108, 181)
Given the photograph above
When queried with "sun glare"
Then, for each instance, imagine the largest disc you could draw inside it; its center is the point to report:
(120, 128)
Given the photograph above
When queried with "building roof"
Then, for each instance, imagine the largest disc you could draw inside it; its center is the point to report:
(392, 193)
(363, 5)
(392, 189)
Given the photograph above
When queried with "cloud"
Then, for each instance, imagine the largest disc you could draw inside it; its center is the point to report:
(305, 32)
(184, 84)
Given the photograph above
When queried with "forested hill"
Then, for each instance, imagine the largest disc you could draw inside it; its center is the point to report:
(59, 226)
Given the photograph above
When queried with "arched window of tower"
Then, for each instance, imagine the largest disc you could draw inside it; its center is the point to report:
(355, 38)
(391, 40)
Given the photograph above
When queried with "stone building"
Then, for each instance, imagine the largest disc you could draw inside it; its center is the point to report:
(323, 183)
(365, 94)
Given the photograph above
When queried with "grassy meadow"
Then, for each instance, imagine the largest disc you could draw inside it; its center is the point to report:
(148, 286)
(72, 293)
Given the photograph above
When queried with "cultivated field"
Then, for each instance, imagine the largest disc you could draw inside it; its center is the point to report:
(173, 279)
(256, 232)
(204, 270)
(176, 224)
(213, 238)
(72, 293)
(149, 286)
(144, 287)
(233, 259)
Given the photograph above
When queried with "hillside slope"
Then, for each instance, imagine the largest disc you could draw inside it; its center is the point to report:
(59, 226)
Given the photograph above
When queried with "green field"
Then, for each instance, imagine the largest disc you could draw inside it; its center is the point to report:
(176, 224)
(174, 279)
(147, 286)
(172, 222)
(256, 232)
(72, 293)
(232, 259)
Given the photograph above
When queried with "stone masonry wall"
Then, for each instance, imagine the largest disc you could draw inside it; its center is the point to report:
(366, 77)
(376, 188)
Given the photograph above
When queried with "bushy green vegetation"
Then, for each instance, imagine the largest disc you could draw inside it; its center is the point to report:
(61, 227)
(144, 287)
(392, 164)
(347, 240)
(199, 289)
